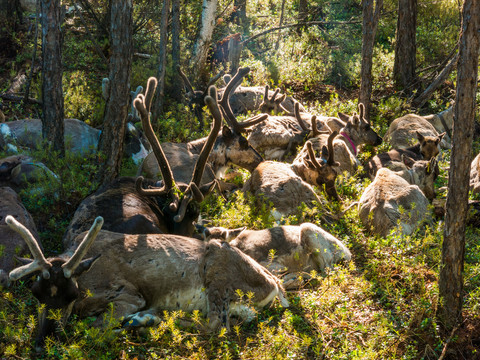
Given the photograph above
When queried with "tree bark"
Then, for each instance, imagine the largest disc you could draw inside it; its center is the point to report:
(157, 109)
(302, 10)
(405, 44)
(52, 92)
(204, 39)
(371, 16)
(116, 109)
(451, 272)
(240, 14)
(177, 83)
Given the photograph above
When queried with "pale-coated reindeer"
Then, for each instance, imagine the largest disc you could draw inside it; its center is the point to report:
(402, 132)
(144, 206)
(280, 184)
(230, 147)
(142, 275)
(288, 251)
(475, 175)
(398, 198)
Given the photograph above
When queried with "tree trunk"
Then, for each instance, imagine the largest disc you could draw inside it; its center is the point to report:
(116, 109)
(302, 10)
(369, 29)
(162, 62)
(207, 25)
(451, 272)
(177, 83)
(405, 44)
(240, 13)
(52, 93)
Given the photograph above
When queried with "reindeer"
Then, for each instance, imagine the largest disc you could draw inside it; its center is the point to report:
(143, 206)
(279, 135)
(403, 131)
(295, 249)
(79, 137)
(10, 242)
(280, 184)
(398, 198)
(425, 149)
(142, 275)
(21, 172)
(475, 175)
(357, 131)
(230, 147)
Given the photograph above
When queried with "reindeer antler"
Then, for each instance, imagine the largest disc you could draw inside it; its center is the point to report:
(71, 265)
(39, 263)
(273, 102)
(299, 117)
(331, 160)
(142, 104)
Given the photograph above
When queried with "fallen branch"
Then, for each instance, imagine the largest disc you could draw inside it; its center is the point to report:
(11, 97)
(444, 351)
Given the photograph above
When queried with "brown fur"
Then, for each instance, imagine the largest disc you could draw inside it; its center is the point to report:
(426, 149)
(297, 249)
(402, 132)
(11, 242)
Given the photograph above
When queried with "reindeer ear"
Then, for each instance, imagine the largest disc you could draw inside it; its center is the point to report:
(439, 138)
(420, 137)
(85, 265)
(227, 132)
(408, 161)
(343, 116)
(324, 152)
(233, 233)
(16, 171)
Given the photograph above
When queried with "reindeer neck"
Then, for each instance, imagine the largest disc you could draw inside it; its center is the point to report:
(347, 138)
(217, 157)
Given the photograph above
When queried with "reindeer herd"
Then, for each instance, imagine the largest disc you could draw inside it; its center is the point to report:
(137, 243)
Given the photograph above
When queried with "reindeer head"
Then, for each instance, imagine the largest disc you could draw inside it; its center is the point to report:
(56, 284)
(423, 173)
(429, 145)
(175, 200)
(358, 129)
(237, 149)
(325, 168)
(273, 103)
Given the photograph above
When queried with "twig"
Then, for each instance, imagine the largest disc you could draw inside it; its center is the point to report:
(303, 23)
(444, 351)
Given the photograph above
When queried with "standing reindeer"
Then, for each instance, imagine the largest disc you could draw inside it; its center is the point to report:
(143, 206)
(142, 275)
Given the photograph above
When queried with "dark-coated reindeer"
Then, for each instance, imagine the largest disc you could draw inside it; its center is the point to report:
(142, 275)
(143, 206)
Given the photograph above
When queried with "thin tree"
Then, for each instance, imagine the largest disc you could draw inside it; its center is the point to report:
(371, 14)
(240, 11)
(52, 92)
(405, 44)
(116, 108)
(162, 61)
(204, 39)
(451, 271)
(177, 83)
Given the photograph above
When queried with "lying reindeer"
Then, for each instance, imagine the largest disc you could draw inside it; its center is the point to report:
(10, 242)
(142, 206)
(142, 275)
(402, 132)
(280, 184)
(230, 147)
(425, 149)
(296, 249)
(357, 131)
(398, 198)
(79, 137)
